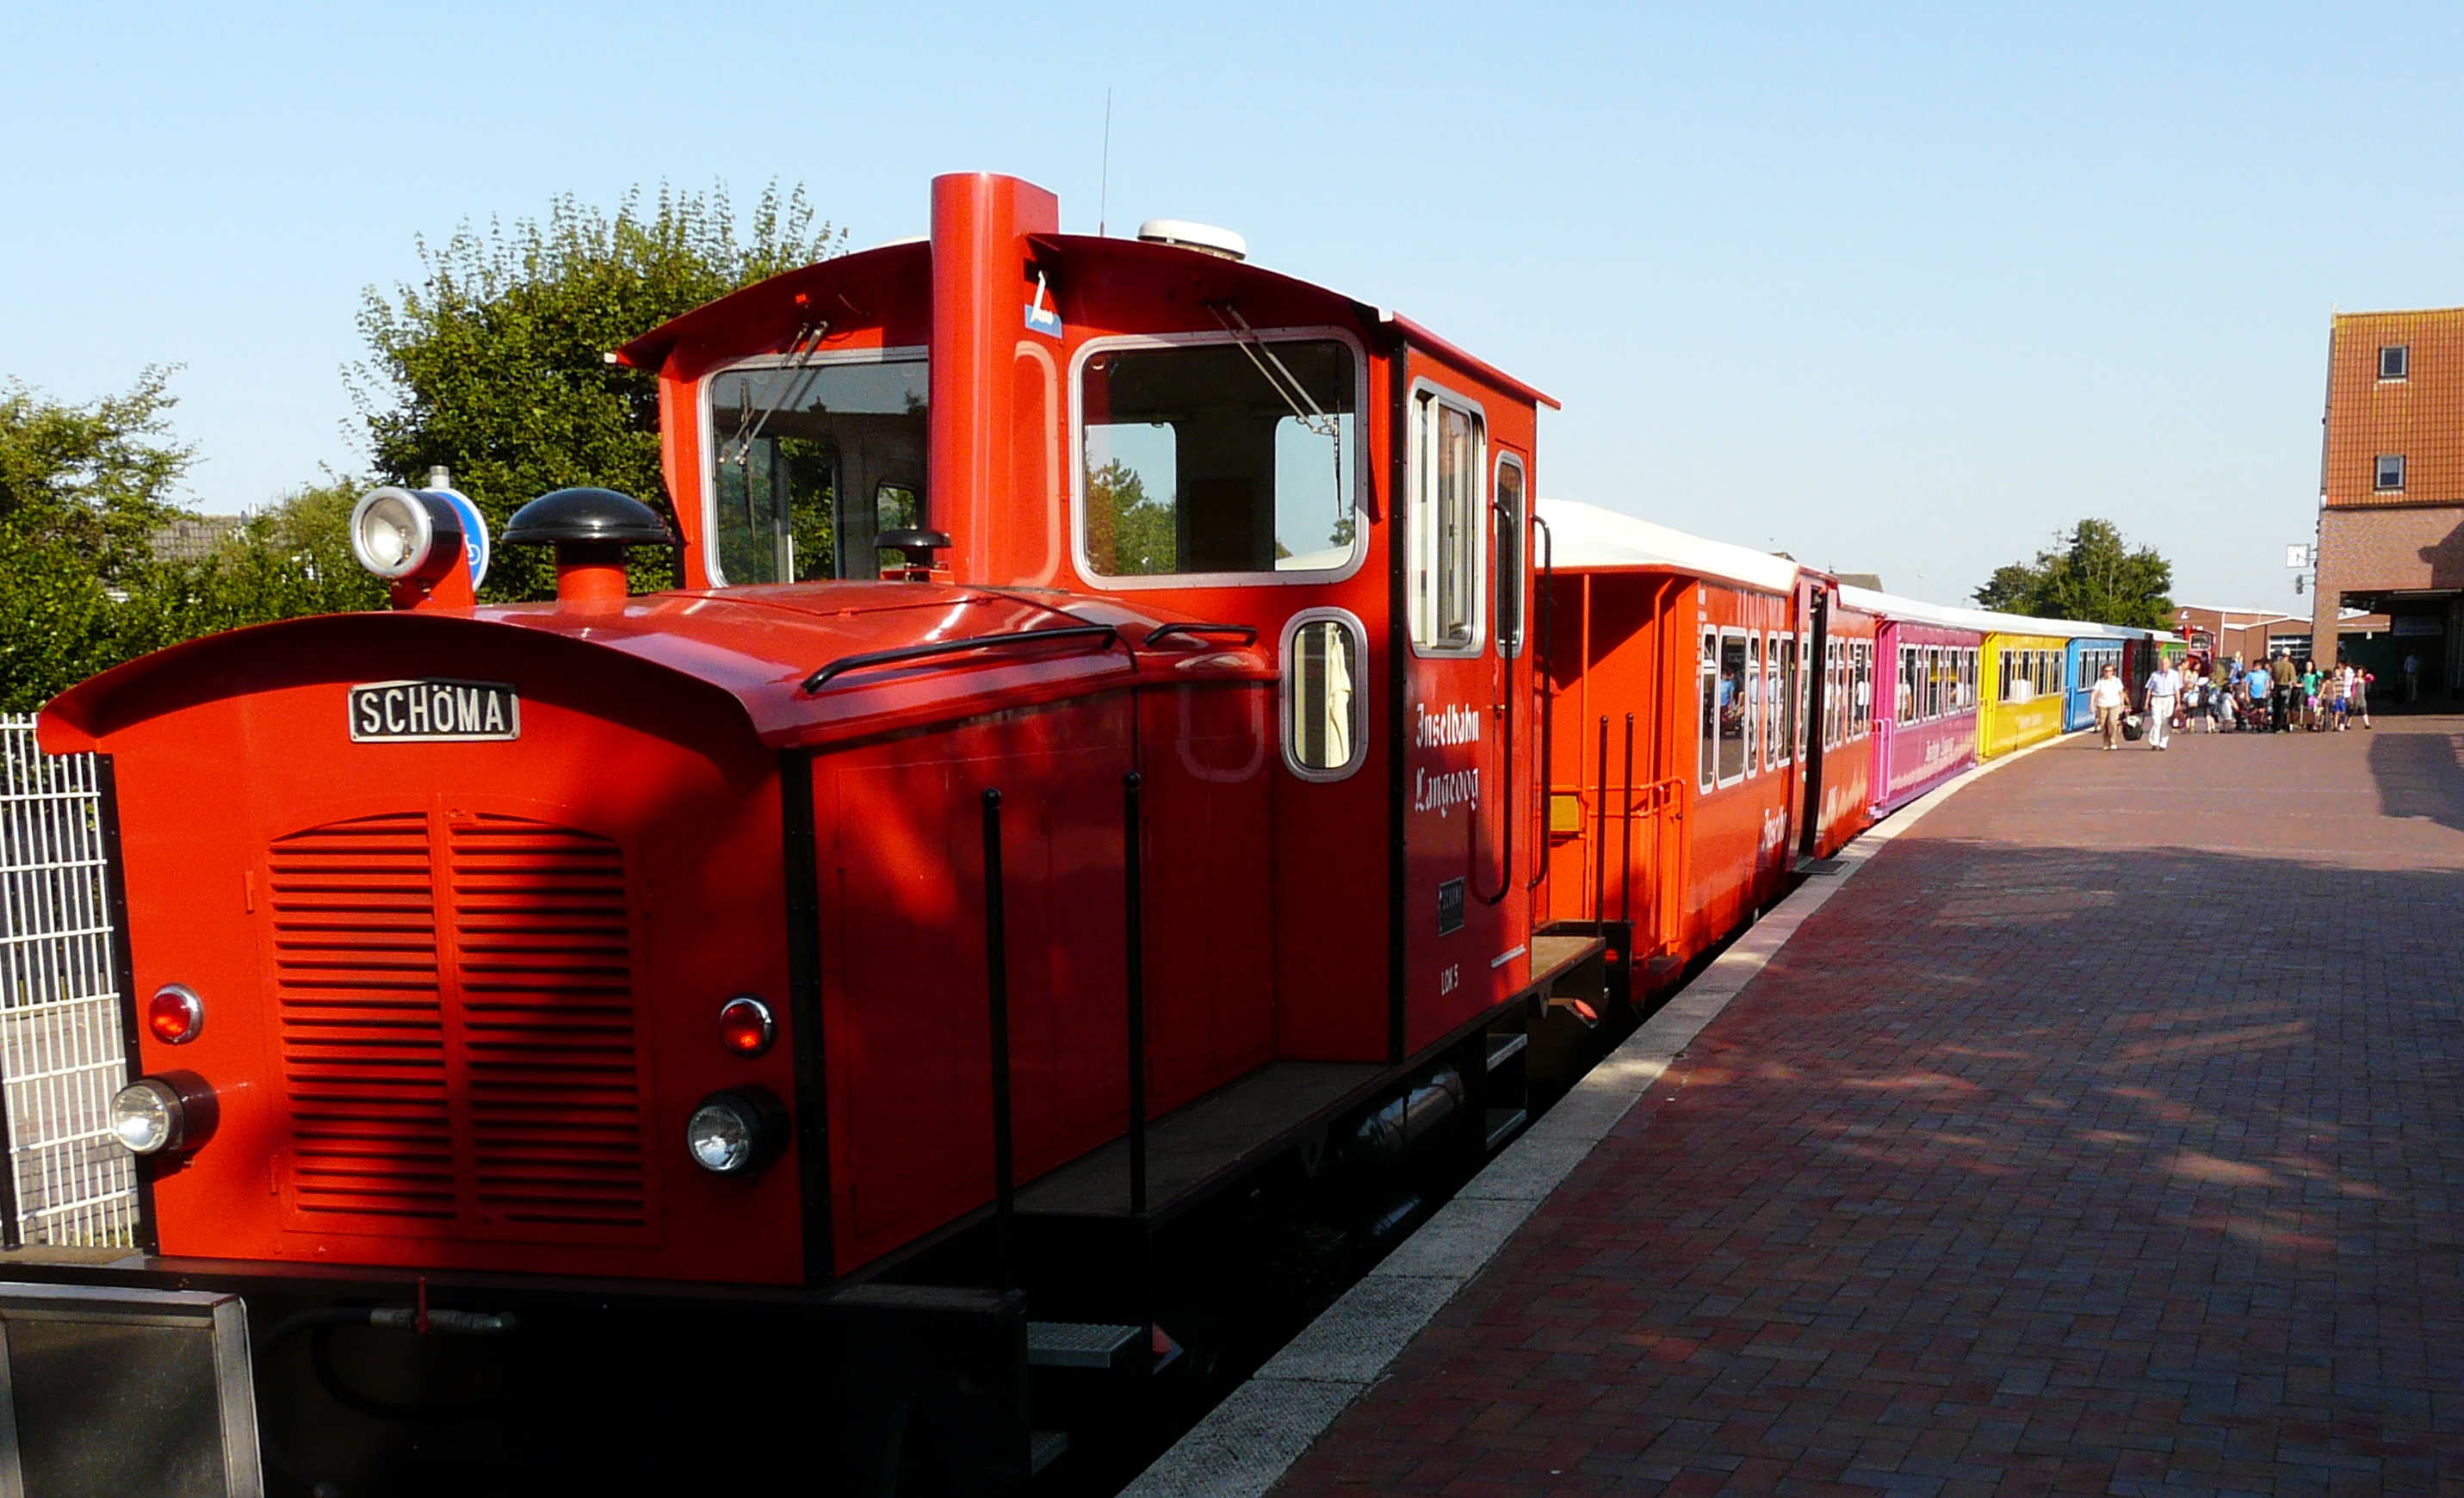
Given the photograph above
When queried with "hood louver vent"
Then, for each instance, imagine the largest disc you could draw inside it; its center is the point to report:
(456, 1020)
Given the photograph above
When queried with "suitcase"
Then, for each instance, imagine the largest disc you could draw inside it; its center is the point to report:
(2130, 727)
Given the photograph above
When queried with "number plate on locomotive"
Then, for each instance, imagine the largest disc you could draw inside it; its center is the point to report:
(434, 712)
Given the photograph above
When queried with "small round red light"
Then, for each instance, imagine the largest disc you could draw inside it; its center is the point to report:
(745, 1026)
(175, 1015)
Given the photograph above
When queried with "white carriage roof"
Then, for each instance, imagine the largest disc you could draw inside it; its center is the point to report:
(1989, 621)
(1588, 537)
(1585, 536)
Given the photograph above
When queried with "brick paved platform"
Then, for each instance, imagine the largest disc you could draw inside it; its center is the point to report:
(2104, 1136)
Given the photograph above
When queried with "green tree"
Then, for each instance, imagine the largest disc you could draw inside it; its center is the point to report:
(1127, 534)
(292, 559)
(81, 489)
(493, 363)
(2091, 573)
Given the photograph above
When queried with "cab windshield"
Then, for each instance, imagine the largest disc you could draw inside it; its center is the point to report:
(1219, 458)
(808, 462)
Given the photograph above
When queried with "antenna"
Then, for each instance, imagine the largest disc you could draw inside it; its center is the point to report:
(1104, 183)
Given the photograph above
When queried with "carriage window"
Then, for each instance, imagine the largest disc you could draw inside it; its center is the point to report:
(1835, 721)
(1513, 526)
(804, 460)
(1789, 711)
(1217, 458)
(1907, 708)
(1864, 689)
(1323, 713)
(1805, 668)
(1446, 528)
(1773, 751)
(1753, 704)
(1732, 708)
(1711, 699)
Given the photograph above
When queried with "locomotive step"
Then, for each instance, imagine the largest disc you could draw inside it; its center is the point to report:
(1501, 1124)
(1078, 1344)
(1503, 1048)
(1044, 1447)
(1200, 1147)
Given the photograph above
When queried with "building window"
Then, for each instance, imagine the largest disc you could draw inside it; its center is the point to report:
(2395, 361)
(2390, 473)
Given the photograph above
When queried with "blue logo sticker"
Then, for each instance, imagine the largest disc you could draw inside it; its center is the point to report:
(1042, 318)
(474, 532)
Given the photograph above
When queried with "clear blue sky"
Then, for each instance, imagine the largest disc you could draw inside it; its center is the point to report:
(1895, 288)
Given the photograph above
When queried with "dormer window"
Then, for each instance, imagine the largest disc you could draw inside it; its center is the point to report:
(2390, 474)
(2395, 361)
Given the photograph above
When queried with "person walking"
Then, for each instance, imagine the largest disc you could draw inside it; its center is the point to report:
(2411, 677)
(2357, 696)
(2164, 694)
(2339, 682)
(2283, 683)
(2108, 698)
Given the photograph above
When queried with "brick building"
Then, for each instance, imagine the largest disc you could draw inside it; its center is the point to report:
(2391, 487)
(2256, 634)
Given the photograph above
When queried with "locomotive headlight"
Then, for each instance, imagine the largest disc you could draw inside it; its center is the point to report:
(403, 533)
(148, 1118)
(171, 1113)
(736, 1131)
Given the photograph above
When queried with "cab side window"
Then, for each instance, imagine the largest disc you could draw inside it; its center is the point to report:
(1448, 524)
(1513, 526)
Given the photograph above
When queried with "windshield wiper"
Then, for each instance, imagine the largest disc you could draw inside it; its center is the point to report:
(794, 382)
(1295, 395)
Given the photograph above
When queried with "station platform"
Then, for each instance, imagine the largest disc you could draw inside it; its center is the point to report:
(2101, 1132)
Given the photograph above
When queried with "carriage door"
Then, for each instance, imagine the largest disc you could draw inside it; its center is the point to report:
(1457, 891)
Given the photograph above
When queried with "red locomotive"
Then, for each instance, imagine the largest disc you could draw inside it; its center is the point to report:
(1121, 726)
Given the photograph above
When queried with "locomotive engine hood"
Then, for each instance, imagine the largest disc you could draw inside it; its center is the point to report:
(746, 655)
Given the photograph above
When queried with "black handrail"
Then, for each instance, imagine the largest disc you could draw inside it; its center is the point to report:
(997, 1002)
(1506, 776)
(1600, 834)
(1625, 834)
(976, 642)
(1162, 632)
(1134, 912)
(1547, 669)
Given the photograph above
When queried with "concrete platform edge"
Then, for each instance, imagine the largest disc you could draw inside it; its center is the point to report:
(1247, 1444)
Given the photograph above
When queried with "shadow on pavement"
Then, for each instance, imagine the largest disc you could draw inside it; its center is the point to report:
(2025, 1167)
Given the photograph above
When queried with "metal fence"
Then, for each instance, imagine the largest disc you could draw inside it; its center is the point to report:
(62, 1057)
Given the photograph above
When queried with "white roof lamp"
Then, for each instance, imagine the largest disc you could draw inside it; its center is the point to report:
(1183, 234)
